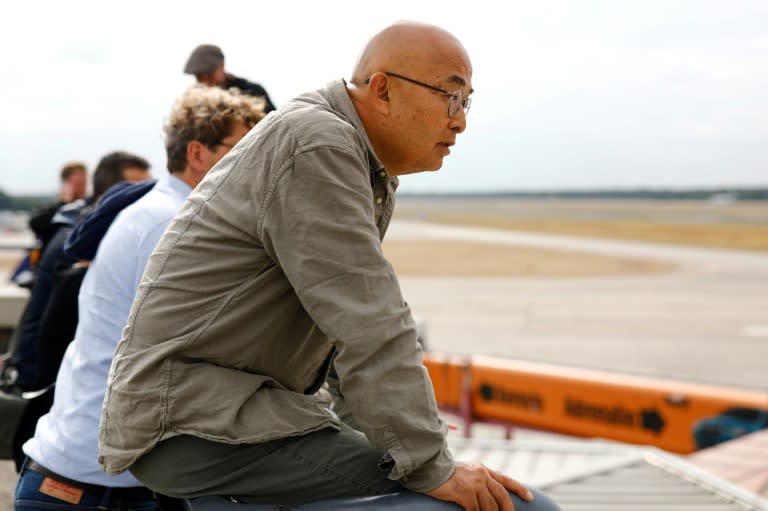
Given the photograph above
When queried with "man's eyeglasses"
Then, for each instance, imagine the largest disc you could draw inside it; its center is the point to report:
(456, 101)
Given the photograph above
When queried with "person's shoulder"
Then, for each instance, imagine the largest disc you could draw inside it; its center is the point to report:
(129, 202)
(150, 207)
(313, 119)
(91, 229)
(125, 201)
(124, 193)
(127, 234)
(42, 216)
(245, 86)
(69, 214)
(46, 209)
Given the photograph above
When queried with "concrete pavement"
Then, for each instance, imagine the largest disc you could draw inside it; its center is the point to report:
(706, 321)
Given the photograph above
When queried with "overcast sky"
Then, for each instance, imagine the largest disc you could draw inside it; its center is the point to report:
(569, 94)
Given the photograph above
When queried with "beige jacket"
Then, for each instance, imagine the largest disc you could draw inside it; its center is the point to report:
(273, 264)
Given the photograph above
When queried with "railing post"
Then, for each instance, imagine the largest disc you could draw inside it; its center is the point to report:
(465, 406)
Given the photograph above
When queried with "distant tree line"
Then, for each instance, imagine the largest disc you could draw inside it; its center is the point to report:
(23, 202)
(31, 202)
(723, 194)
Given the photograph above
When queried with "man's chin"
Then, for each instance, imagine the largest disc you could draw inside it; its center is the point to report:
(424, 167)
(435, 164)
(433, 168)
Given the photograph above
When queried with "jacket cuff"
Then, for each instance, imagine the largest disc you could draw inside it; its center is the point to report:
(431, 474)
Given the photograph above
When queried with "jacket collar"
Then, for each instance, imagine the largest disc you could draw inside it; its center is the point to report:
(337, 96)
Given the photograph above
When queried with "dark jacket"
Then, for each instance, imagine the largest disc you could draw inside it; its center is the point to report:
(41, 222)
(87, 235)
(52, 260)
(250, 88)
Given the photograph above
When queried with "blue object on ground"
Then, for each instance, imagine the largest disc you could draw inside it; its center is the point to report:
(732, 423)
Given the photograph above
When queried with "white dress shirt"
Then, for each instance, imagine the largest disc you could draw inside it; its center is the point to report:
(67, 438)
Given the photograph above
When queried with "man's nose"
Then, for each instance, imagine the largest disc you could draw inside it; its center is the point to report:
(459, 121)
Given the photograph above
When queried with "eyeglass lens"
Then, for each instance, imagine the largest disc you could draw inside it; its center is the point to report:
(456, 102)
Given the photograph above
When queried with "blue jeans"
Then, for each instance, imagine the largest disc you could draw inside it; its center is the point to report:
(29, 498)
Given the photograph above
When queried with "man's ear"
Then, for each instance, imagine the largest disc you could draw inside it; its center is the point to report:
(195, 154)
(378, 85)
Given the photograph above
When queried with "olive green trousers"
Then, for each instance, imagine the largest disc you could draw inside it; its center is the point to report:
(327, 464)
(321, 465)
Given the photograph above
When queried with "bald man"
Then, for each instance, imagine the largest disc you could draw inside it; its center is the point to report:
(270, 277)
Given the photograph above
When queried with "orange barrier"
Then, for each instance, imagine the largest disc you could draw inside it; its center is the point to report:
(582, 402)
(449, 376)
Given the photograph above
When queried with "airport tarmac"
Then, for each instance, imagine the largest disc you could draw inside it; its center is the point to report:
(706, 321)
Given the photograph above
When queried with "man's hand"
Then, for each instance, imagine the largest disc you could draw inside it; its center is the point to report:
(66, 193)
(478, 488)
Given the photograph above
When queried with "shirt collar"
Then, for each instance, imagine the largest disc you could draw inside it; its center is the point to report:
(175, 184)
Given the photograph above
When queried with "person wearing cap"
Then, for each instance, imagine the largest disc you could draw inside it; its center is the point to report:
(206, 62)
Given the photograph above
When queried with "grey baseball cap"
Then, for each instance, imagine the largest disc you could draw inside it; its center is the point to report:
(204, 60)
